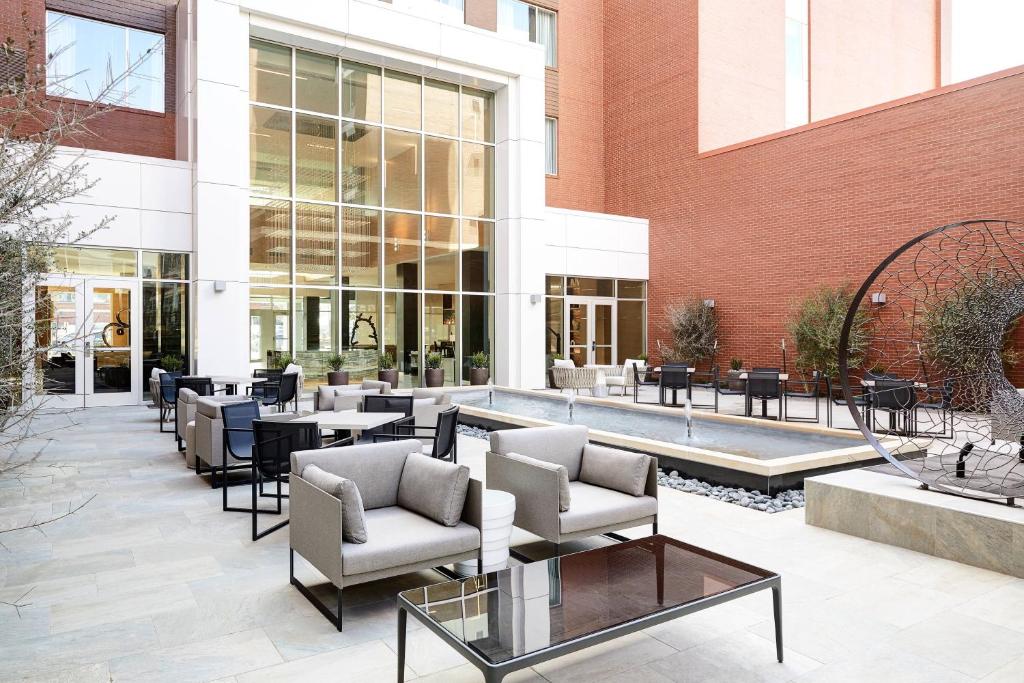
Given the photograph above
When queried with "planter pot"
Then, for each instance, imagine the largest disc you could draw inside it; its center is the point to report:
(478, 376)
(434, 377)
(337, 378)
(390, 376)
(736, 384)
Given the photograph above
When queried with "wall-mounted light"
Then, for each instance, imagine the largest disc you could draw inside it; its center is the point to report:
(220, 285)
(709, 303)
(878, 298)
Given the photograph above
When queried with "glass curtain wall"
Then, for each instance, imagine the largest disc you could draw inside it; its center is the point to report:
(371, 216)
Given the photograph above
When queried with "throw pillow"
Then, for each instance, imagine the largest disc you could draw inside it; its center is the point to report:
(563, 476)
(353, 519)
(614, 469)
(433, 488)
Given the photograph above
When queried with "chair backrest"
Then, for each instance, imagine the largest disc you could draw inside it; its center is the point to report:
(893, 394)
(274, 443)
(766, 370)
(446, 433)
(168, 388)
(239, 415)
(387, 403)
(288, 387)
(201, 385)
(763, 384)
(675, 375)
(561, 444)
(948, 387)
(267, 372)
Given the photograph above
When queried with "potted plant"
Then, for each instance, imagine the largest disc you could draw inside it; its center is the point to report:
(434, 374)
(336, 376)
(386, 371)
(735, 370)
(479, 368)
(281, 360)
(171, 362)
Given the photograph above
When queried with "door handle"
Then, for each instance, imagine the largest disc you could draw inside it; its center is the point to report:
(593, 345)
(88, 348)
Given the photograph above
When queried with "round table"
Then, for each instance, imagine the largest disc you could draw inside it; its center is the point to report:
(498, 511)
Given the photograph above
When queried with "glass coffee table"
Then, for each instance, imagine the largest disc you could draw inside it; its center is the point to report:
(517, 617)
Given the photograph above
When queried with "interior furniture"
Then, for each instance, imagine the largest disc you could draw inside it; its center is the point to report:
(940, 399)
(168, 398)
(184, 412)
(835, 397)
(497, 511)
(810, 388)
(232, 382)
(327, 397)
(390, 403)
(209, 436)
(270, 377)
(443, 443)
(675, 377)
(763, 386)
(539, 611)
(281, 394)
(574, 378)
(642, 377)
(898, 399)
(414, 512)
(567, 488)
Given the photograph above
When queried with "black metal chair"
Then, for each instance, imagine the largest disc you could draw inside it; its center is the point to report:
(811, 389)
(763, 386)
(283, 393)
(835, 397)
(941, 399)
(237, 441)
(168, 396)
(646, 381)
(722, 386)
(674, 377)
(272, 376)
(387, 403)
(444, 442)
(201, 385)
(897, 398)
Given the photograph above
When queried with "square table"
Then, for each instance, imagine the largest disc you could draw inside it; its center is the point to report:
(524, 615)
(231, 382)
(350, 420)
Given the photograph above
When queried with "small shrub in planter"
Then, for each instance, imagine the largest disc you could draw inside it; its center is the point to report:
(735, 370)
(386, 371)
(281, 361)
(479, 368)
(171, 362)
(434, 374)
(336, 376)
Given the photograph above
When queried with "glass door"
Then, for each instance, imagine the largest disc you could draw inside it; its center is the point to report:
(591, 326)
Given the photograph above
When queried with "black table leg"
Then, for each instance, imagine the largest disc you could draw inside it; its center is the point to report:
(777, 604)
(402, 617)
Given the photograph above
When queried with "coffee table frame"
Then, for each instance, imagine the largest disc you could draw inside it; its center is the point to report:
(494, 673)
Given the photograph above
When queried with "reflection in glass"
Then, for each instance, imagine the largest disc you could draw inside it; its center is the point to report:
(477, 260)
(360, 92)
(401, 250)
(477, 115)
(477, 180)
(440, 251)
(578, 331)
(441, 108)
(360, 170)
(270, 151)
(269, 323)
(270, 73)
(164, 324)
(590, 286)
(360, 339)
(439, 328)
(477, 330)
(316, 244)
(401, 100)
(316, 82)
(401, 335)
(93, 261)
(316, 157)
(56, 329)
(316, 319)
(602, 341)
(555, 285)
(553, 330)
(441, 169)
(270, 244)
(360, 247)
(110, 335)
(161, 265)
(631, 330)
(402, 180)
(632, 289)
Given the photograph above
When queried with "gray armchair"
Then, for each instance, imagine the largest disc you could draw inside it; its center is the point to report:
(208, 450)
(327, 398)
(415, 513)
(184, 414)
(567, 488)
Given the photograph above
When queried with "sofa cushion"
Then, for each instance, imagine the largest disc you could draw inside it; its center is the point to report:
(353, 520)
(375, 468)
(595, 507)
(186, 395)
(434, 488)
(627, 367)
(562, 445)
(383, 387)
(564, 496)
(343, 399)
(439, 396)
(564, 363)
(210, 405)
(399, 537)
(615, 469)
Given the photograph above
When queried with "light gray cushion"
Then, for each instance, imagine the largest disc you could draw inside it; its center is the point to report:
(615, 469)
(186, 395)
(353, 520)
(423, 402)
(399, 537)
(564, 363)
(375, 468)
(384, 387)
(210, 405)
(594, 507)
(349, 399)
(562, 445)
(434, 488)
(564, 497)
(439, 395)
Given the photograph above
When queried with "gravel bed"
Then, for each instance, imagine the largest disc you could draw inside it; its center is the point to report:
(755, 500)
(475, 432)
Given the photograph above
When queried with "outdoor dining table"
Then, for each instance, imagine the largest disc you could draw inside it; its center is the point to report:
(232, 382)
(748, 405)
(350, 420)
(868, 408)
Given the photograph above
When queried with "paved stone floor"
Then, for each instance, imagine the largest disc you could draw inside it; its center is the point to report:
(151, 581)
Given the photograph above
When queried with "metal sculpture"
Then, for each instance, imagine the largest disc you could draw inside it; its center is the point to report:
(940, 312)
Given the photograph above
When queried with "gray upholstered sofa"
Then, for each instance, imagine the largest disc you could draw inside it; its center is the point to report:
(567, 488)
(208, 449)
(184, 414)
(327, 398)
(415, 513)
(427, 404)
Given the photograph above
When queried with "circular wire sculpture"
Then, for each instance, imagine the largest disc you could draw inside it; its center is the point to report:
(936, 403)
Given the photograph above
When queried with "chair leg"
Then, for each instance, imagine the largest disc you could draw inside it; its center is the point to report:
(308, 594)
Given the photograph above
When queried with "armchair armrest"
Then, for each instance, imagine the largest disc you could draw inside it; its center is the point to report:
(472, 511)
(315, 528)
(536, 492)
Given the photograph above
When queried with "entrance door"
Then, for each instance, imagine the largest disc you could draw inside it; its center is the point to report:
(92, 353)
(591, 325)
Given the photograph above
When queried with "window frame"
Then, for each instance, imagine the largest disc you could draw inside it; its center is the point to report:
(549, 153)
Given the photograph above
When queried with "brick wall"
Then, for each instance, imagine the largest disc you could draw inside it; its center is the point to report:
(126, 131)
(758, 227)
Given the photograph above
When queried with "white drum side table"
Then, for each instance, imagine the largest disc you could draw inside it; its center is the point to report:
(499, 509)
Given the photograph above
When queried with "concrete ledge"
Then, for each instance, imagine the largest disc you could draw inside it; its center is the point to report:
(895, 511)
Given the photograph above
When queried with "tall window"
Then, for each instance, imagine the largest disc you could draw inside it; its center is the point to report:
(551, 146)
(96, 60)
(371, 215)
(530, 23)
(797, 90)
